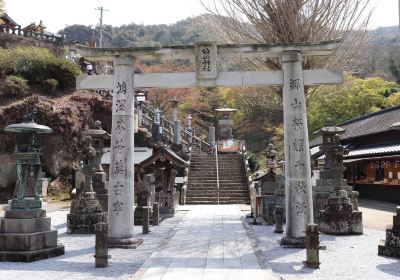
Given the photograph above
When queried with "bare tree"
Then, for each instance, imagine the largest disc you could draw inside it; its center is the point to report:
(293, 21)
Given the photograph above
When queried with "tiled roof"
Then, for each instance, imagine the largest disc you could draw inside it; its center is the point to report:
(367, 125)
(381, 150)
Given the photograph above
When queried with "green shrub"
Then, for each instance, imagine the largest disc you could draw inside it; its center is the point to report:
(15, 86)
(50, 86)
(37, 65)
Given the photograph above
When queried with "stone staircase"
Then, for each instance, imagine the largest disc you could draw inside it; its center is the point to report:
(202, 183)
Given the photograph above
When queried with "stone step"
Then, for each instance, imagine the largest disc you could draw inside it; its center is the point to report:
(213, 191)
(194, 202)
(215, 185)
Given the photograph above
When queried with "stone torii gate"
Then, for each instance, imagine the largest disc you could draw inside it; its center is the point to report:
(292, 77)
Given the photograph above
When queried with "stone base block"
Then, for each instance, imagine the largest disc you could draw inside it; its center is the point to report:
(124, 243)
(290, 242)
(26, 203)
(25, 225)
(167, 212)
(388, 251)
(24, 214)
(340, 223)
(84, 223)
(28, 241)
(31, 256)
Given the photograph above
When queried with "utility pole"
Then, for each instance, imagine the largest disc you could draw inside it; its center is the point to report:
(101, 9)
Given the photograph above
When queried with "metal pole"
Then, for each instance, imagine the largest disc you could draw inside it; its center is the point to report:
(216, 165)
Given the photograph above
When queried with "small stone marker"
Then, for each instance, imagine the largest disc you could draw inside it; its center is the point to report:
(391, 246)
(278, 219)
(156, 214)
(270, 215)
(146, 219)
(312, 246)
(101, 254)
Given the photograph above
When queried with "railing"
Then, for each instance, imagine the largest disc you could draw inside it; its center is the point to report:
(217, 169)
(185, 180)
(252, 189)
(8, 29)
(188, 138)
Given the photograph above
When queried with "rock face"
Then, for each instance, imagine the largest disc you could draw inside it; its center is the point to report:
(391, 246)
(69, 116)
(8, 172)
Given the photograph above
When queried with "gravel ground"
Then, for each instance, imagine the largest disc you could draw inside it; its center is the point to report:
(78, 261)
(346, 257)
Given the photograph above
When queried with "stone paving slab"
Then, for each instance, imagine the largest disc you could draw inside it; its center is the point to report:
(217, 247)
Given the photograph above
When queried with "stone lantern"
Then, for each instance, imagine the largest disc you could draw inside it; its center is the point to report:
(271, 156)
(225, 123)
(140, 99)
(337, 215)
(177, 125)
(174, 106)
(25, 233)
(86, 210)
(99, 178)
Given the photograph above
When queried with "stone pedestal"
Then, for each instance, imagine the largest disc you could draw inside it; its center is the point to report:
(323, 189)
(339, 218)
(86, 212)
(139, 216)
(27, 236)
(391, 246)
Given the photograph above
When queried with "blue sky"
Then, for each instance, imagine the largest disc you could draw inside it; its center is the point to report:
(57, 14)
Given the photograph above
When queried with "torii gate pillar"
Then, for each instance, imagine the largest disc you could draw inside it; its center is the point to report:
(297, 159)
(121, 183)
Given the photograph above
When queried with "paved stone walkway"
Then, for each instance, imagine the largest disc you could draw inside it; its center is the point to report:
(210, 243)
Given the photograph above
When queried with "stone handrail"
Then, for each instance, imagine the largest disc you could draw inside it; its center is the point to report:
(168, 129)
(8, 29)
(250, 183)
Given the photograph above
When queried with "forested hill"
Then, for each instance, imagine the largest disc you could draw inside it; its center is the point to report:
(185, 31)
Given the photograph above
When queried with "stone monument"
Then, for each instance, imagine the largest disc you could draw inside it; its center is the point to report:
(272, 187)
(338, 216)
(99, 178)
(391, 246)
(145, 192)
(331, 174)
(26, 234)
(225, 123)
(86, 210)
